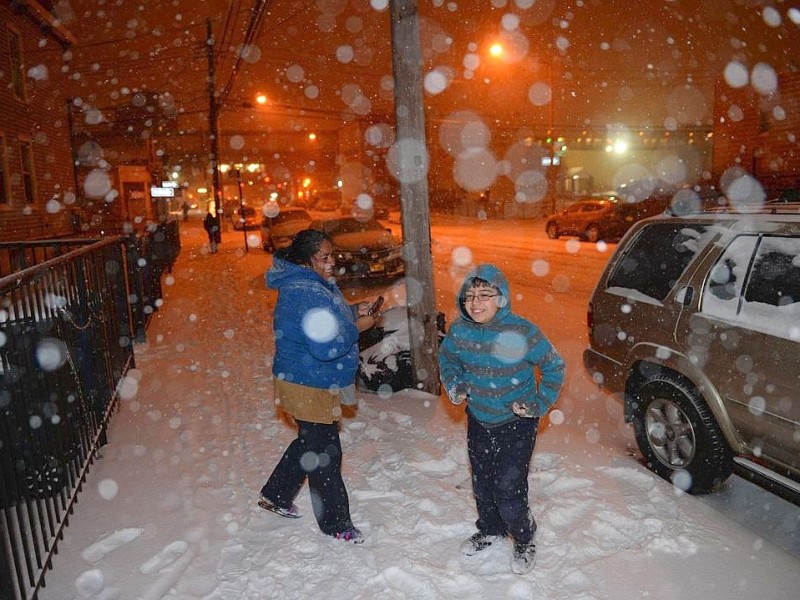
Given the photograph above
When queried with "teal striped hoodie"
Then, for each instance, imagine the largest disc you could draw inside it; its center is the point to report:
(494, 362)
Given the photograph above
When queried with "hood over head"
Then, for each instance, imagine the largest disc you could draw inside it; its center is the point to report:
(494, 276)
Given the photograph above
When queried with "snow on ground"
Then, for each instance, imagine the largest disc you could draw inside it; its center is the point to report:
(169, 511)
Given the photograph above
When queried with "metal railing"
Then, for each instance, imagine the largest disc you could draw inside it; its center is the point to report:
(69, 315)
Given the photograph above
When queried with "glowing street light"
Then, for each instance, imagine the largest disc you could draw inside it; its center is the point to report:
(618, 146)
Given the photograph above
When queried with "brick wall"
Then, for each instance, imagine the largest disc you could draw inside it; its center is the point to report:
(759, 132)
(39, 119)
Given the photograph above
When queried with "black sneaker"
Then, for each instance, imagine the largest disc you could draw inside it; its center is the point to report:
(524, 557)
(477, 542)
(290, 513)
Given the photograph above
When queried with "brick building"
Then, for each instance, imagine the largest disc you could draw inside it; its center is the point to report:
(759, 131)
(37, 179)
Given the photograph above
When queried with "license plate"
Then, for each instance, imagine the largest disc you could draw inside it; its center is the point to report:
(375, 267)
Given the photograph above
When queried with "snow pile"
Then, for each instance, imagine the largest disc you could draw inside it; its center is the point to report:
(190, 449)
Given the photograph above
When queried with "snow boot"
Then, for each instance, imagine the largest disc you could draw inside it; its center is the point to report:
(524, 557)
(477, 542)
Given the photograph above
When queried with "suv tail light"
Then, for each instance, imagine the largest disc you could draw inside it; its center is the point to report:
(590, 318)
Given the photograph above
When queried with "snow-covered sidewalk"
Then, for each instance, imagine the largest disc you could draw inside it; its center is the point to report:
(169, 511)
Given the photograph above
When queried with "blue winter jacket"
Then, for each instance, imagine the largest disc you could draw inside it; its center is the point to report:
(494, 362)
(316, 339)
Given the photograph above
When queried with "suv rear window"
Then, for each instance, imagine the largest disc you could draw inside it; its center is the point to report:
(657, 257)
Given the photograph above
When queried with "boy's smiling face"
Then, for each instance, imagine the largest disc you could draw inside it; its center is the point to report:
(481, 303)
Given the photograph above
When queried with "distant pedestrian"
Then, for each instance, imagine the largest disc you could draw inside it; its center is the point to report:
(315, 365)
(212, 226)
(185, 210)
(489, 359)
(483, 205)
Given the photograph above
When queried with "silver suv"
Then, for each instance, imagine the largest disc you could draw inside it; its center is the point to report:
(695, 322)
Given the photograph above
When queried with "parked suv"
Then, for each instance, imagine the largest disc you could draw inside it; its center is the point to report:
(695, 322)
(608, 218)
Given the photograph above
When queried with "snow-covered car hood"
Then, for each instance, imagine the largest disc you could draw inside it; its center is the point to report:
(369, 240)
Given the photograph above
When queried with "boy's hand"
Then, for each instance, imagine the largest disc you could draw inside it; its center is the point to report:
(521, 410)
(459, 394)
(458, 398)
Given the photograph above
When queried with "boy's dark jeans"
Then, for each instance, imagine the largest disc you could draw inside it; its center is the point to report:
(316, 454)
(500, 458)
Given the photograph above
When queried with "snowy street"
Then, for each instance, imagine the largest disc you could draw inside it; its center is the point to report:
(170, 512)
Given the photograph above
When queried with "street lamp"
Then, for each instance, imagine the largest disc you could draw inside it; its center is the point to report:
(510, 49)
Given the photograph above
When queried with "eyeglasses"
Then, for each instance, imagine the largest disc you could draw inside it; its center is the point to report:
(479, 297)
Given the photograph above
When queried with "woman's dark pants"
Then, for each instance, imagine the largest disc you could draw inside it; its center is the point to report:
(500, 458)
(317, 455)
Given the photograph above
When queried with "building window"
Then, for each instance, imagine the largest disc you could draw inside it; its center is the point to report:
(26, 162)
(15, 54)
(763, 121)
(3, 172)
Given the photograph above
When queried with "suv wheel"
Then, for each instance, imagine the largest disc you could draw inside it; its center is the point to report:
(592, 233)
(678, 435)
(552, 231)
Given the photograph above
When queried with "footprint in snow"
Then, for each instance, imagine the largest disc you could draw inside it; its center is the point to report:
(168, 555)
(99, 550)
(436, 468)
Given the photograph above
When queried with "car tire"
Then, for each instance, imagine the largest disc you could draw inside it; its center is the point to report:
(552, 231)
(592, 233)
(678, 435)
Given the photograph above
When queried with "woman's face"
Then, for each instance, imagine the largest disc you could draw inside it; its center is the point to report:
(322, 262)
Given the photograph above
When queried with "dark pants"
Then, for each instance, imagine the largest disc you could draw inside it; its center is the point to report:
(500, 458)
(317, 455)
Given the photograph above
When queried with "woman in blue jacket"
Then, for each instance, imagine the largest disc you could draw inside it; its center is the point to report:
(316, 359)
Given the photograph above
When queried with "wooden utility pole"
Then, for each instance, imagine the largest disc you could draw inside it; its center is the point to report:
(213, 129)
(412, 166)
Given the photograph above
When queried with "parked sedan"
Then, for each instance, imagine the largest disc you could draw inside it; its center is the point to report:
(367, 207)
(362, 248)
(280, 225)
(244, 218)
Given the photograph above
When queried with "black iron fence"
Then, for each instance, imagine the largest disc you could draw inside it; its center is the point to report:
(70, 311)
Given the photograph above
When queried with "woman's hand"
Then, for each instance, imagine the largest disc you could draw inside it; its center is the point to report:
(362, 309)
(365, 322)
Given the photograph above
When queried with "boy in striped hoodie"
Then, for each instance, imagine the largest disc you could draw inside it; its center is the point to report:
(509, 375)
